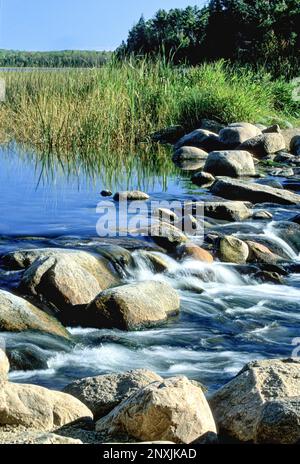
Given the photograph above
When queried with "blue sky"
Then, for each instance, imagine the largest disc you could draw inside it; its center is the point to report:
(74, 24)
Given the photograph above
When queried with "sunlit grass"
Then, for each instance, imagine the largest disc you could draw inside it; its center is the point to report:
(120, 105)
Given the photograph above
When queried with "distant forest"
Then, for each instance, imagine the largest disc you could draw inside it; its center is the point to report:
(256, 32)
(59, 59)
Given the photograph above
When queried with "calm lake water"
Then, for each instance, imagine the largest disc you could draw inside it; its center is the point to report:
(235, 320)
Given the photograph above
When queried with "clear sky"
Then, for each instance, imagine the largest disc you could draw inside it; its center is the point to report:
(74, 24)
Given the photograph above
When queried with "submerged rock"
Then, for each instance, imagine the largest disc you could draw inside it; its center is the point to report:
(262, 215)
(233, 250)
(17, 315)
(26, 358)
(237, 133)
(38, 408)
(172, 410)
(101, 394)
(239, 190)
(131, 195)
(240, 407)
(132, 306)
(232, 163)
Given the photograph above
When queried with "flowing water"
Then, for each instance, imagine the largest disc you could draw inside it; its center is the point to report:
(234, 320)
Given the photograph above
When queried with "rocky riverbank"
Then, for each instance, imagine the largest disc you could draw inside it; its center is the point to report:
(240, 169)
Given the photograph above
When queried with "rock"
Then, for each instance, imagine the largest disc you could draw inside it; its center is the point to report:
(262, 215)
(279, 422)
(133, 306)
(237, 133)
(259, 253)
(155, 261)
(295, 145)
(165, 214)
(26, 358)
(200, 138)
(296, 219)
(227, 210)
(238, 190)
(203, 178)
(232, 163)
(106, 193)
(264, 144)
(36, 438)
(270, 182)
(268, 242)
(281, 172)
(290, 136)
(134, 195)
(211, 125)
(166, 235)
(191, 250)
(67, 279)
(103, 393)
(271, 277)
(289, 232)
(4, 366)
(272, 129)
(38, 408)
(168, 135)
(17, 315)
(233, 250)
(283, 157)
(172, 410)
(189, 153)
(238, 406)
(189, 164)
(117, 255)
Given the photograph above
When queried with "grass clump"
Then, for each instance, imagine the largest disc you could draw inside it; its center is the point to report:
(120, 105)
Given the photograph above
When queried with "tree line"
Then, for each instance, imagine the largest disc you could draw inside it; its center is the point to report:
(257, 32)
(57, 59)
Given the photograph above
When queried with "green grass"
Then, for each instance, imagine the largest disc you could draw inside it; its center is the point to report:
(120, 105)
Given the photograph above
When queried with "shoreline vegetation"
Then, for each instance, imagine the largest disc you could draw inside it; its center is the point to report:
(123, 104)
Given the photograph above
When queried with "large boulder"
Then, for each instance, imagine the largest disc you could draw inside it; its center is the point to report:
(239, 190)
(240, 407)
(189, 153)
(166, 235)
(132, 306)
(66, 278)
(101, 394)
(237, 133)
(232, 163)
(227, 210)
(193, 251)
(264, 145)
(31, 437)
(291, 137)
(259, 253)
(172, 410)
(4, 366)
(38, 408)
(200, 138)
(17, 315)
(233, 250)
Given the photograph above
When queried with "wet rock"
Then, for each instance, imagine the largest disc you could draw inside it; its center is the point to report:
(189, 153)
(227, 210)
(200, 138)
(203, 178)
(283, 157)
(173, 410)
(38, 408)
(106, 193)
(272, 277)
(238, 407)
(117, 255)
(262, 215)
(36, 438)
(101, 394)
(237, 133)
(165, 214)
(259, 253)
(289, 232)
(66, 278)
(191, 250)
(238, 190)
(275, 247)
(166, 235)
(133, 306)
(296, 219)
(233, 250)
(156, 261)
(272, 129)
(279, 422)
(232, 163)
(26, 358)
(131, 195)
(4, 366)
(263, 145)
(281, 172)
(17, 315)
(270, 182)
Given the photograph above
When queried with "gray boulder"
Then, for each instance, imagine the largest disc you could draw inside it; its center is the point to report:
(235, 134)
(189, 153)
(233, 163)
(227, 210)
(290, 137)
(200, 138)
(103, 393)
(233, 250)
(133, 306)
(238, 190)
(131, 195)
(264, 144)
